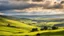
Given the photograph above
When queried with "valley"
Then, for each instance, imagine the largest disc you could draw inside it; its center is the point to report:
(10, 25)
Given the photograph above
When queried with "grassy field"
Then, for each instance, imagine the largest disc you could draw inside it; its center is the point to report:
(18, 28)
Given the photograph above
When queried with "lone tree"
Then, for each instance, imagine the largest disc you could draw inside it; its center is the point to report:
(45, 27)
(54, 27)
(34, 29)
(26, 35)
(38, 34)
(8, 25)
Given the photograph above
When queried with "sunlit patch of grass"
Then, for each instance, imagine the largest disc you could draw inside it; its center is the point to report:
(43, 32)
(13, 30)
(54, 33)
(5, 33)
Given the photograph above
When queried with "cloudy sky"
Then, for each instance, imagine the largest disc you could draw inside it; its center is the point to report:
(16, 7)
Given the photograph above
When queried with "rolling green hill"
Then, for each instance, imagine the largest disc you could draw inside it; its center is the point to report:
(16, 28)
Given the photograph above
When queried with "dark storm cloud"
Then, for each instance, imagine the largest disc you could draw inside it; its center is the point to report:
(7, 5)
(11, 6)
(15, 4)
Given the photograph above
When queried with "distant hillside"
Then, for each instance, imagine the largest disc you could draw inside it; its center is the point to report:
(40, 16)
(59, 25)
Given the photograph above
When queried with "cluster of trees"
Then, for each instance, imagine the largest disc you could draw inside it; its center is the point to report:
(44, 28)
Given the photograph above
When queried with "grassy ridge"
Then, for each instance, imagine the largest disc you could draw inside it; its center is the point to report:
(24, 29)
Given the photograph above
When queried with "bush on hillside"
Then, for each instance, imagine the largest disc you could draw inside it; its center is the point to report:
(8, 25)
(54, 27)
(38, 34)
(45, 27)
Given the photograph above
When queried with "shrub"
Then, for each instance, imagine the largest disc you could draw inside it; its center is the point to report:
(38, 34)
(54, 27)
(8, 25)
(26, 35)
(45, 27)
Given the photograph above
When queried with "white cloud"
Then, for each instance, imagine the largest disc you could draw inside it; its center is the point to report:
(19, 12)
(1, 13)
